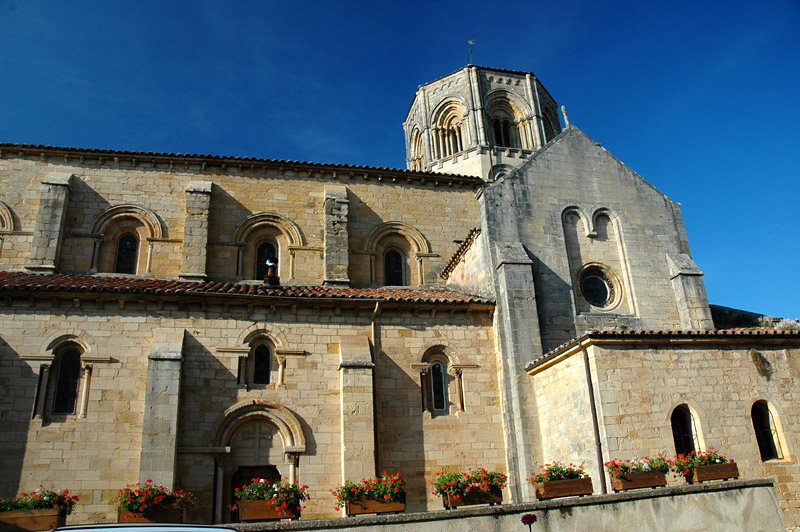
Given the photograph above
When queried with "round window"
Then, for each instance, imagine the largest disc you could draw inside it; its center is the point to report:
(596, 287)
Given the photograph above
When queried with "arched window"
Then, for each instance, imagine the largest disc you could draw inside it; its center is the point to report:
(438, 387)
(69, 375)
(261, 365)
(393, 268)
(265, 250)
(766, 433)
(502, 133)
(255, 368)
(127, 235)
(127, 254)
(684, 432)
(417, 153)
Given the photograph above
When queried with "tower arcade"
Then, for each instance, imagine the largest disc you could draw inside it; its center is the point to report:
(478, 121)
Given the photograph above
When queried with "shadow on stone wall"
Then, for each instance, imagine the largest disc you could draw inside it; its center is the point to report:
(18, 384)
(400, 441)
(552, 292)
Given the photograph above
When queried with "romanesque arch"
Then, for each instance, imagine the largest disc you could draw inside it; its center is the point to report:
(393, 245)
(6, 218)
(449, 131)
(125, 222)
(508, 118)
(260, 439)
(266, 227)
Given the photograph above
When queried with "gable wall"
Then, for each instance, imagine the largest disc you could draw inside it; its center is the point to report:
(575, 172)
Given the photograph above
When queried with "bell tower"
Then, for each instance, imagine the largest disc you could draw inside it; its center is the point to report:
(478, 121)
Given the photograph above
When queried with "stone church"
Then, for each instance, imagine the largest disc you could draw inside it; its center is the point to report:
(517, 295)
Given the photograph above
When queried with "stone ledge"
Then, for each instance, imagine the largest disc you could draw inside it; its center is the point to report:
(490, 511)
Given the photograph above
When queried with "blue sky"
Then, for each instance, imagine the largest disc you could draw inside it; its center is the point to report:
(701, 98)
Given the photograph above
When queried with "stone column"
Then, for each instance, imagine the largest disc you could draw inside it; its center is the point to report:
(161, 407)
(337, 251)
(46, 242)
(690, 292)
(195, 231)
(357, 409)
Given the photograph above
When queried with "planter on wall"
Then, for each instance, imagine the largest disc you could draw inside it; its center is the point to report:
(172, 513)
(370, 505)
(475, 496)
(45, 519)
(551, 489)
(259, 510)
(637, 480)
(713, 472)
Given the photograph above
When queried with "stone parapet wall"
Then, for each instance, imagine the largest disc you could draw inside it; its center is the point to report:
(637, 388)
(734, 506)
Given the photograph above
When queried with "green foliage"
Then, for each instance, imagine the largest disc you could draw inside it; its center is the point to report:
(616, 468)
(39, 500)
(284, 496)
(384, 488)
(685, 464)
(557, 471)
(458, 484)
(151, 498)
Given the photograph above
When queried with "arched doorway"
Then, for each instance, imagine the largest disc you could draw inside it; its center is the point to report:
(256, 451)
(262, 440)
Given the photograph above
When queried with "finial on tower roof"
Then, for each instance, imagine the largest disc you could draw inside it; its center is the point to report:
(564, 112)
(470, 44)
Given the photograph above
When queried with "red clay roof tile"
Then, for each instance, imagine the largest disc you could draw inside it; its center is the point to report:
(58, 282)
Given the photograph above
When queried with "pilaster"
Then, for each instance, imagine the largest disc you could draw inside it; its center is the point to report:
(46, 242)
(195, 231)
(690, 292)
(161, 405)
(357, 408)
(337, 252)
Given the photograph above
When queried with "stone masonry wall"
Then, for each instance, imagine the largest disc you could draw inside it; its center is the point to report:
(573, 173)
(440, 209)
(639, 386)
(97, 455)
(416, 442)
(565, 419)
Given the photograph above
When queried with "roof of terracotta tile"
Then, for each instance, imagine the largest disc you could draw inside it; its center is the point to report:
(229, 159)
(462, 248)
(748, 332)
(30, 282)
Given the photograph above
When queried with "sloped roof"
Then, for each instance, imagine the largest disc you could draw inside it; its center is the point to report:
(462, 248)
(227, 159)
(11, 281)
(665, 335)
(570, 134)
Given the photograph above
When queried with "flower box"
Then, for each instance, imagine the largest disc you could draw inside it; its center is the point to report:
(638, 479)
(259, 510)
(475, 496)
(702, 473)
(551, 489)
(44, 519)
(364, 504)
(171, 513)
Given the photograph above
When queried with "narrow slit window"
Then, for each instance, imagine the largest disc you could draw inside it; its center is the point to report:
(766, 434)
(266, 250)
(393, 268)
(261, 365)
(69, 375)
(683, 430)
(127, 254)
(439, 385)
